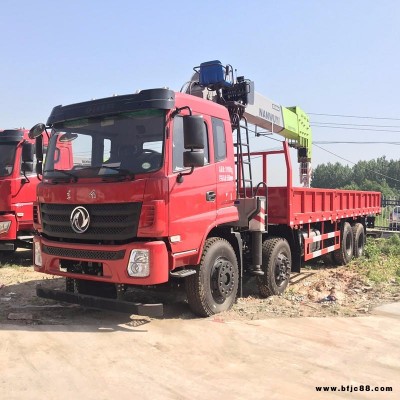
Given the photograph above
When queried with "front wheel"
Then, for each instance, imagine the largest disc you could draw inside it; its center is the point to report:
(214, 287)
(277, 265)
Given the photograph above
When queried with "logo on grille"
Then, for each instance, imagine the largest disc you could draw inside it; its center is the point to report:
(79, 219)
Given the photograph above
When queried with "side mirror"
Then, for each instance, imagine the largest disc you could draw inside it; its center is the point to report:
(193, 132)
(193, 159)
(27, 152)
(193, 140)
(36, 131)
(67, 137)
(27, 166)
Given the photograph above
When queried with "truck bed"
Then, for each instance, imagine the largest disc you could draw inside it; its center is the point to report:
(296, 206)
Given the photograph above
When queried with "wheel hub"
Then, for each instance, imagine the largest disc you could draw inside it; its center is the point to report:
(282, 271)
(223, 279)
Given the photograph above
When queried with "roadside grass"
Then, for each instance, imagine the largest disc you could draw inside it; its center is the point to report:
(381, 261)
(383, 219)
(8, 265)
(7, 262)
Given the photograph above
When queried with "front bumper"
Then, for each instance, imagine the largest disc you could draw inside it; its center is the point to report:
(114, 260)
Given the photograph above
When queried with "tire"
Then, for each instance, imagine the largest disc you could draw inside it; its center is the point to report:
(344, 254)
(214, 287)
(358, 240)
(328, 259)
(93, 288)
(277, 265)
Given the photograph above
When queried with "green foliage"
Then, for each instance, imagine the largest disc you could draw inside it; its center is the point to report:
(331, 176)
(373, 175)
(381, 262)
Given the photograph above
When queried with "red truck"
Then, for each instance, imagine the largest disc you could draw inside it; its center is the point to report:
(17, 189)
(18, 183)
(161, 188)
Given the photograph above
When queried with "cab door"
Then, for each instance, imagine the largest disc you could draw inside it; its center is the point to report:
(192, 203)
(224, 169)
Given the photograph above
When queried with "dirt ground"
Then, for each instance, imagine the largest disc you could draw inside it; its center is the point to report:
(319, 291)
(261, 349)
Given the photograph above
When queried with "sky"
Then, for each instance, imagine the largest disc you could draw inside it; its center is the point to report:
(328, 57)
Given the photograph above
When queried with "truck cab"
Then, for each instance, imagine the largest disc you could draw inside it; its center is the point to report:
(17, 189)
(18, 183)
(129, 191)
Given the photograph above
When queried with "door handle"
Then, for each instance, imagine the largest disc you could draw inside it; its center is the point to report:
(210, 196)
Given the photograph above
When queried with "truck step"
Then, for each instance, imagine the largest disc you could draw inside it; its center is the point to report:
(183, 273)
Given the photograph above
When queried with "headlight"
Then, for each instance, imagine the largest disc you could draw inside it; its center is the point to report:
(38, 254)
(138, 265)
(5, 226)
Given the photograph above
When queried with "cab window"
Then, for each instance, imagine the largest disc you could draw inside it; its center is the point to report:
(219, 139)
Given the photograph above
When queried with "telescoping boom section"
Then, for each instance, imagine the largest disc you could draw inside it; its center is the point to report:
(292, 123)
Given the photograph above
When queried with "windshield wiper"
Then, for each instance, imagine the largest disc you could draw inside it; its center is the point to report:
(73, 176)
(121, 172)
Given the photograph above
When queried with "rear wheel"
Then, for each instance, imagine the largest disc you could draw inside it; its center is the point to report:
(276, 264)
(214, 287)
(344, 254)
(358, 239)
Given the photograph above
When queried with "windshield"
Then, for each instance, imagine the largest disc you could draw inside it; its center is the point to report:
(126, 144)
(7, 155)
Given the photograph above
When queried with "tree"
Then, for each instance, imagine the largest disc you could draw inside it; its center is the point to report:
(375, 175)
(331, 176)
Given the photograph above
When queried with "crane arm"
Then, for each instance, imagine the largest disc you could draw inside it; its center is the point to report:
(215, 82)
(290, 122)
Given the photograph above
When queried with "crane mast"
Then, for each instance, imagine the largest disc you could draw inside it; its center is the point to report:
(215, 82)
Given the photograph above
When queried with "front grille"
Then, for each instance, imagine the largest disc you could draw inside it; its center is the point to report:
(35, 214)
(117, 221)
(82, 254)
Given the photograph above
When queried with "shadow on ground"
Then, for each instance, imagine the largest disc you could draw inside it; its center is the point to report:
(21, 258)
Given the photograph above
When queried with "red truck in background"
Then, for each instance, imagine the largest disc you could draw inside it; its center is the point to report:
(161, 188)
(18, 183)
(17, 189)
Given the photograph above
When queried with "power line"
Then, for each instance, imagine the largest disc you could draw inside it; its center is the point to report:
(340, 124)
(354, 116)
(356, 129)
(353, 142)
